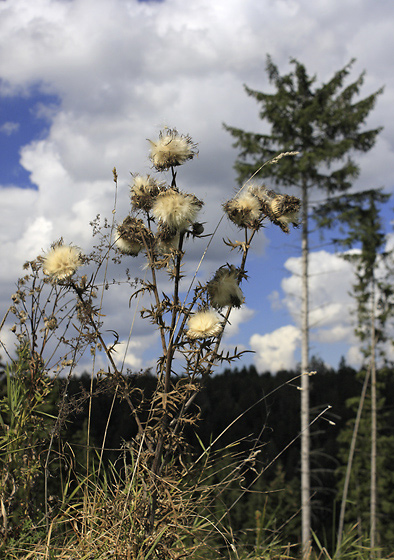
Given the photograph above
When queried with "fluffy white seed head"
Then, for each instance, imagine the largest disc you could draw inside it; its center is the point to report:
(132, 235)
(144, 191)
(277, 206)
(290, 218)
(204, 324)
(244, 210)
(126, 246)
(281, 209)
(171, 149)
(284, 211)
(246, 202)
(223, 289)
(263, 194)
(62, 261)
(176, 210)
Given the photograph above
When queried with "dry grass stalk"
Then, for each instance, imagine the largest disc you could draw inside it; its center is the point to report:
(156, 504)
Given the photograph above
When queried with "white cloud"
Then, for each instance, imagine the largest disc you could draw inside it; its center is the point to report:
(237, 318)
(37, 234)
(276, 350)
(337, 333)
(330, 282)
(9, 128)
(354, 356)
(124, 69)
(130, 353)
(332, 307)
(275, 300)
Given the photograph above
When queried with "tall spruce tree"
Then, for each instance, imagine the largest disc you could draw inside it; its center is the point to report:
(325, 124)
(358, 216)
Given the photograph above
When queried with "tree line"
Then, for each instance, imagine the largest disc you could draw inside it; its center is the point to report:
(242, 410)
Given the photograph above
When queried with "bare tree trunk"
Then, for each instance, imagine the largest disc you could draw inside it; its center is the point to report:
(350, 459)
(305, 430)
(373, 423)
(373, 493)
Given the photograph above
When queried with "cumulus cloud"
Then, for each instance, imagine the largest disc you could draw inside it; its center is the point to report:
(333, 317)
(237, 318)
(9, 128)
(122, 70)
(354, 356)
(130, 353)
(330, 282)
(276, 350)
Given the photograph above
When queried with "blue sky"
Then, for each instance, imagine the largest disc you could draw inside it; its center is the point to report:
(22, 120)
(84, 83)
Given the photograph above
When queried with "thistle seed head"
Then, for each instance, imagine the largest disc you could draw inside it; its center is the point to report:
(61, 261)
(223, 289)
(144, 191)
(204, 324)
(167, 240)
(244, 210)
(131, 236)
(171, 149)
(284, 210)
(176, 210)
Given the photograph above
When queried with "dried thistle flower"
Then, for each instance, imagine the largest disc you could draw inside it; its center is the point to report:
(264, 195)
(204, 324)
(50, 322)
(286, 210)
(131, 236)
(282, 210)
(171, 149)
(15, 298)
(61, 261)
(223, 289)
(22, 315)
(176, 210)
(167, 240)
(127, 247)
(144, 191)
(197, 229)
(244, 210)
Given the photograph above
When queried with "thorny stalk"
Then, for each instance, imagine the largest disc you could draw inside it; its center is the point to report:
(192, 329)
(153, 286)
(107, 351)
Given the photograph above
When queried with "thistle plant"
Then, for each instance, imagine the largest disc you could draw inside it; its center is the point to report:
(160, 226)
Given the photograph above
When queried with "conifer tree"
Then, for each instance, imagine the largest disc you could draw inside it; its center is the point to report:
(359, 218)
(325, 124)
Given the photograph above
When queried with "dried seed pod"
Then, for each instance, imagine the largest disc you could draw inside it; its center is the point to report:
(171, 149)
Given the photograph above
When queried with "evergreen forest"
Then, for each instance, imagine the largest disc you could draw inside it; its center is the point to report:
(255, 416)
